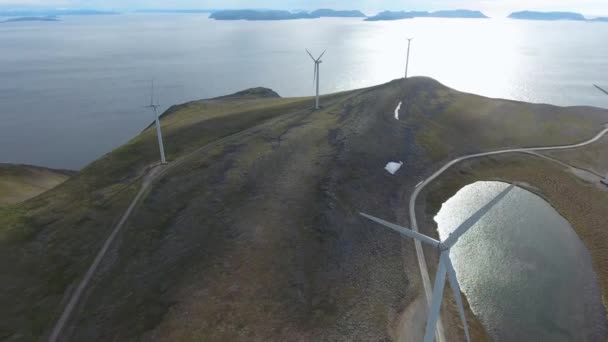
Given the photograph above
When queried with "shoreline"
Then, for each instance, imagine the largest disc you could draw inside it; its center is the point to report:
(512, 169)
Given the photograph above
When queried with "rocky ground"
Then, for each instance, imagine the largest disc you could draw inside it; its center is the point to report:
(256, 234)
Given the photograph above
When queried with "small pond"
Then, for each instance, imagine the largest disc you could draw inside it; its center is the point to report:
(523, 269)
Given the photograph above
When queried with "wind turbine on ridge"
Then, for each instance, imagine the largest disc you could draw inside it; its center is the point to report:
(159, 134)
(445, 263)
(407, 61)
(317, 61)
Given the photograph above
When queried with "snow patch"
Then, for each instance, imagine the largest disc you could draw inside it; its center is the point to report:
(393, 167)
(397, 110)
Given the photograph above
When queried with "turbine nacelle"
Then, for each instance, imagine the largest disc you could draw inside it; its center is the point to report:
(443, 247)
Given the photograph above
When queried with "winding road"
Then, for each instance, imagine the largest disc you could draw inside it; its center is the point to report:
(153, 174)
(440, 336)
(157, 172)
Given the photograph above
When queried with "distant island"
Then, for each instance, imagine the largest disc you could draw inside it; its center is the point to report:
(282, 15)
(531, 15)
(329, 13)
(390, 15)
(601, 19)
(28, 19)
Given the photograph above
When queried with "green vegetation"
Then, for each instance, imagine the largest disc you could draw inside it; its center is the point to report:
(253, 233)
(21, 182)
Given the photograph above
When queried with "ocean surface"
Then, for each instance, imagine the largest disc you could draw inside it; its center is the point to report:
(525, 272)
(73, 90)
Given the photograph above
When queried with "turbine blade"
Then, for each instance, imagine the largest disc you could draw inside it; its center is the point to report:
(318, 59)
(457, 295)
(403, 231)
(435, 305)
(310, 54)
(601, 89)
(314, 74)
(468, 223)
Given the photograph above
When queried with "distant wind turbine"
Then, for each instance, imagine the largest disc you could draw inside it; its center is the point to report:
(317, 61)
(159, 135)
(445, 263)
(407, 61)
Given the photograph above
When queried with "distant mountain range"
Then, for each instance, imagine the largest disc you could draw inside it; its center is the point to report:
(282, 15)
(269, 14)
(389, 15)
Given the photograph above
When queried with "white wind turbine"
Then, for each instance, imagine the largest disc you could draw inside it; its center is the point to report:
(159, 134)
(445, 263)
(407, 61)
(317, 61)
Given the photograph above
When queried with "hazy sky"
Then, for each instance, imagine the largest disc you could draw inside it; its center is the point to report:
(496, 7)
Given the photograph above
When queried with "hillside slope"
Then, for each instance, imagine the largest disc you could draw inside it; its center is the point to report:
(254, 233)
(22, 182)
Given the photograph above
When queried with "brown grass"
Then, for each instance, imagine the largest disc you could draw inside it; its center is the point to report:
(19, 183)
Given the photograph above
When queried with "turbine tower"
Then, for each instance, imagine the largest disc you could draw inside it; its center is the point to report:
(159, 134)
(445, 263)
(317, 61)
(407, 61)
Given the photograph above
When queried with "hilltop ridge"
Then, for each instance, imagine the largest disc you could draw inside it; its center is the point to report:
(252, 232)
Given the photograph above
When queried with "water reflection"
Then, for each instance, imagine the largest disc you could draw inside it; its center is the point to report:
(525, 272)
(69, 91)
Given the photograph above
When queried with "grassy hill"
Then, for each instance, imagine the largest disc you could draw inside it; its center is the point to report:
(252, 233)
(22, 182)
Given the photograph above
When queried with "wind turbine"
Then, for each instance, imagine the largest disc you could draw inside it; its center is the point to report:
(159, 134)
(445, 263)
(317, 61)
(407, 61)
